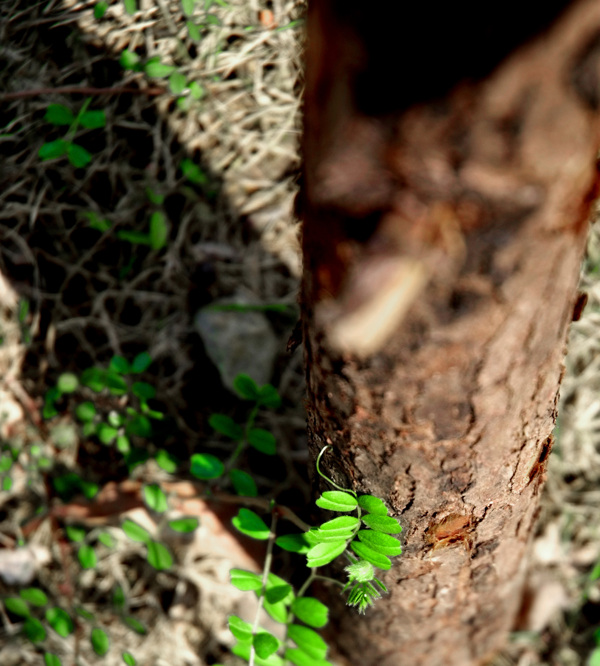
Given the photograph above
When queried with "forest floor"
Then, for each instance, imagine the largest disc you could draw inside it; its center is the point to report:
(147, 182)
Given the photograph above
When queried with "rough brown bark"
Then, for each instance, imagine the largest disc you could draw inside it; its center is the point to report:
(445, 213)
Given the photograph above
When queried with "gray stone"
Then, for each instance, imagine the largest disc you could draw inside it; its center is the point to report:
(238, 341)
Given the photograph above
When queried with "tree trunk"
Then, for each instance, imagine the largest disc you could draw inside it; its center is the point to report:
(450, 166)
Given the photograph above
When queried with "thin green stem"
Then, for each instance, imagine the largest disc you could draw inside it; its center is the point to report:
(265, 580)
(320, 473)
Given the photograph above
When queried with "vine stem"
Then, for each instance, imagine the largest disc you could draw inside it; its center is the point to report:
(320, 473)
(265, 579)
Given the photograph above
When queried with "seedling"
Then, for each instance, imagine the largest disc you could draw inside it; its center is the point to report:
(365, 549)
(60, 115)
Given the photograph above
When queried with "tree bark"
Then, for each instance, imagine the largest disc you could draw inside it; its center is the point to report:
(450, 167)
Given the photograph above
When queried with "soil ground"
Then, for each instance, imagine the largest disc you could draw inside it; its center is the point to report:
(75, 290)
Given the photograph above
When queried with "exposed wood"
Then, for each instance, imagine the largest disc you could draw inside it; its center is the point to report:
(474, 168)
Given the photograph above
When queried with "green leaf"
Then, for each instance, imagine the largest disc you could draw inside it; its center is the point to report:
(262, 440)
(192, 171)
(341, 525)
(99, 641)
(159, 230)
(337, 500)
(115, 383)
(53, 149)
(118, 598)
(120, 365)
(166, 461)
(382, 524)
(382, 543)
(141, 363)
(184, 525)
(139, 426)
(250, 524)
(130, 6)
(277, 592)
(246, 387)
(57, 114)
(16, 606)
(188, 7)
(240, 629)
(243, 483)
(157, 69)
(158, 556)
(136, 625)
(129, 659)
(311, 611)
(93, 119)
(594, 659)
(106, 433)
(85, 614)
(85, 411)
(67, 382)
(206, 466)
(245, 580)
(294, 543)
(34, 630)
(301, 658)
(308, 641)
(376, 559)
(78, 155)
(265, 644)
(75, 533)
(155, 197)
(7, 484)
(130, 60)
(371, 504)
(123, 444)
(94, 378)
(323, 553)
(106, 539)
(177, 83)
(115, 419)
(60, 621)
(97, 222)
(100, 9)
(155, 498)
(34, 596)
(134, 237)
(278, 611)
(87, 556)
(242, 650)
(268, 397)
(194, 33)
(196, 90)
(135, 532)
(226, 426)
(51, 659)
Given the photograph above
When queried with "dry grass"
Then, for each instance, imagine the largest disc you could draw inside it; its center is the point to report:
(91, 296)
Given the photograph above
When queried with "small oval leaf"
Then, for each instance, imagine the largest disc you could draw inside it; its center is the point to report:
(158, 556)
(245, 580)
(323, 553)
(382, 543)
(371, 504)
(337, 500)
(226, 426)
(376, 559)
(251, 524)
(243, 483)
(262, 440)
(311, 611)
(100, 642)
(385, 524)
(206, 466)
